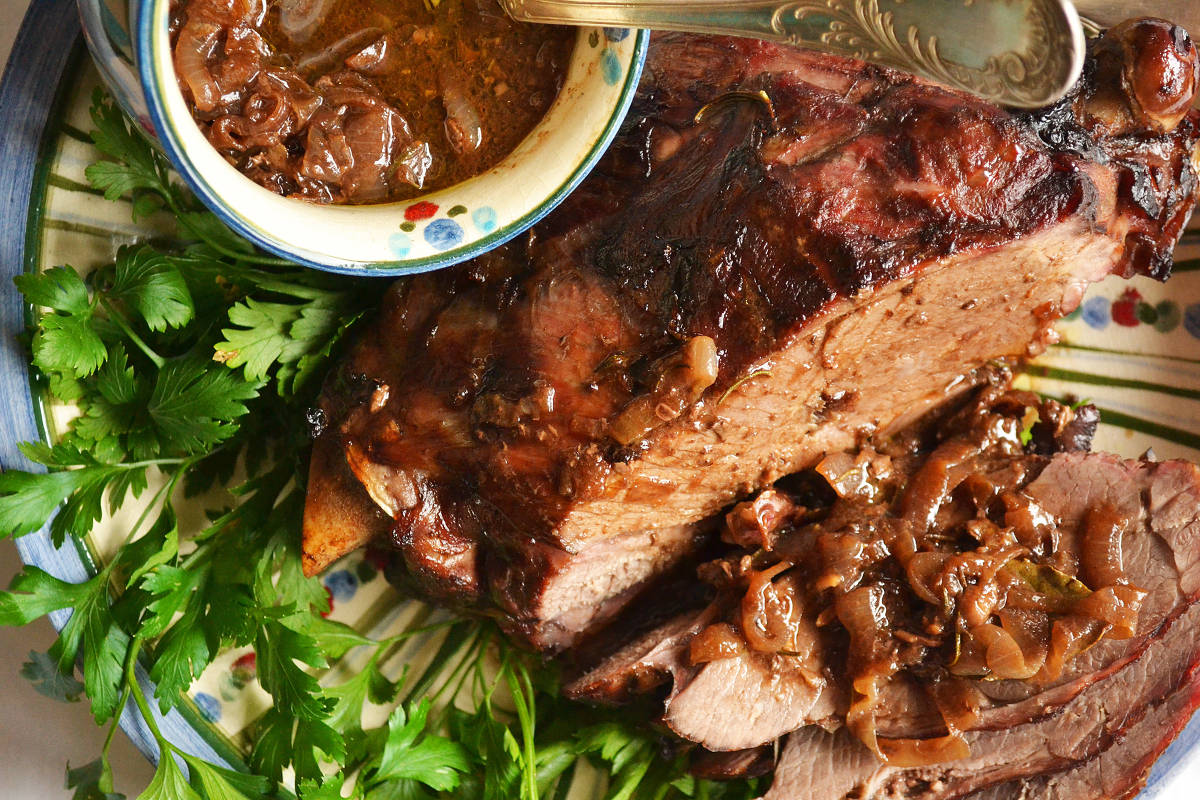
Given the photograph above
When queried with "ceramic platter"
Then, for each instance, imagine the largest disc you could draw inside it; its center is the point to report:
(1133, 348)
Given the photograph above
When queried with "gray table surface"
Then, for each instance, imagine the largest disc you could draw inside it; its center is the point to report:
(39, 736)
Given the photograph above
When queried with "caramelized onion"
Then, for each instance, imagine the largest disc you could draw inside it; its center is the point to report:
(922, 752)
(1031, 631)
(958, 702)
(1003, 655)
(769, 613)
(716, 642)
(1101, 560)
(682, 378)
(327, 58)
(1069, 637)
(702, 362)
(1033, 525)
(193, 48)
(754, 524)
(1117, 606)
(859, 476)
(634, 422)
(926, 572)
(299, 19)
(979, 601)
(970, 658)
(934, 481)
(464, 129)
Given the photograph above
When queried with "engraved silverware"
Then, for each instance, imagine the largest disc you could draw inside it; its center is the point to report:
(1021, 53)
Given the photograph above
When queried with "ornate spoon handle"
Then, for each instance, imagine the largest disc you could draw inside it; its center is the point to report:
(1021, 53)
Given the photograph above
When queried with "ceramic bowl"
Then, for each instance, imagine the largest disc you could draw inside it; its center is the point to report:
(129, 41)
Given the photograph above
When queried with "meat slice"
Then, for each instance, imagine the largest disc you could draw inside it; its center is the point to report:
(752, 698)
(642, 663)
(552, 598)
(1118, 773)
(549, 598)
(817, 765)
(783, 252)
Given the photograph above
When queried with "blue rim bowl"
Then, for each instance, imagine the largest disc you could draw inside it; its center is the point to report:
(131, 45)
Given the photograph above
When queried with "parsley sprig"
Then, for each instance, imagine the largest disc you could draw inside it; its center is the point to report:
(191, 360)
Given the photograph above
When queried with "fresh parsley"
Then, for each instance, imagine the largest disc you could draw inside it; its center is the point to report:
(192, 360)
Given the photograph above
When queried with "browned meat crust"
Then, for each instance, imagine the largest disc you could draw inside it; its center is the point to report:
(782, 253)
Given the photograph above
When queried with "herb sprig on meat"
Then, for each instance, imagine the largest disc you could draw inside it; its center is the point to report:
(192, 361)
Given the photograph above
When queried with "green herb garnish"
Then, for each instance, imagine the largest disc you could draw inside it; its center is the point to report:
(188, 358)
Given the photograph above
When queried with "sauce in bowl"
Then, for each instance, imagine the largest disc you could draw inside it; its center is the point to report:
(364, 101)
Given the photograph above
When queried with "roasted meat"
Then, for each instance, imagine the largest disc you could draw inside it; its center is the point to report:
(1119, 771)
(1150, 699)
(1016, 524)
(782, 253)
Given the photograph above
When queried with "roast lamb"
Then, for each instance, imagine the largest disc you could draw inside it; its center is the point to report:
(981, 605)
(782, 253)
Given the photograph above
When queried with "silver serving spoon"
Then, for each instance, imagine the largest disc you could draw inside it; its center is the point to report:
(1020, 53)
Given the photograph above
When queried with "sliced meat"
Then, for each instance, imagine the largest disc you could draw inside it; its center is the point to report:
(745, 701)
(1118, 773)
(749, 699)
(552, 598)
(816, 765)
(643, 663)
(783, 252)
(733, 765)
(549, 598)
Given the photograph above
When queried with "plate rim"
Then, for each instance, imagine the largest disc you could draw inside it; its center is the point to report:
(48, 46)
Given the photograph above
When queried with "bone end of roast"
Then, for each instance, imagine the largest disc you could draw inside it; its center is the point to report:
(339, 516)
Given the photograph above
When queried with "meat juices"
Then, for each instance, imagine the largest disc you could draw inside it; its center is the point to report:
(364, 101)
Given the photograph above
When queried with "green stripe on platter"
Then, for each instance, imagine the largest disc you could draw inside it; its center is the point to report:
(78, 135)
(1113, 351)
(78, 227)
(1074, 376)
(60, 182)
(1167, 432)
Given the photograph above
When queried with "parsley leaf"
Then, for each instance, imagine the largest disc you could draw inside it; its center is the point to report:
(27, 499)
(410, 753)
(58, 288)
(47, 679)
(182, 654)
(66, 344)
(136, 165)
(328, 788)
(169, 782)
(218, 783)
(92, 781)
(34, 593)
(152, 283)
(193, 406)
(280, 652)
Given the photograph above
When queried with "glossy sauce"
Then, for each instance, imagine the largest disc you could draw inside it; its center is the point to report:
(363, 101)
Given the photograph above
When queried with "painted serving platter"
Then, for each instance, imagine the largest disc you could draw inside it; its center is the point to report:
(1133, 348)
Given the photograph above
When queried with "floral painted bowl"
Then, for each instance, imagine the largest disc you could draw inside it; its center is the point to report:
(129, 41)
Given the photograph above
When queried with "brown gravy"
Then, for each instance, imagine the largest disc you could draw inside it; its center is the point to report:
(364, 101)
